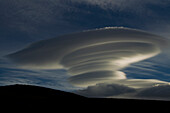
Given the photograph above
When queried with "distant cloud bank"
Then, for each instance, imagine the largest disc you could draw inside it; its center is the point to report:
(103, 90)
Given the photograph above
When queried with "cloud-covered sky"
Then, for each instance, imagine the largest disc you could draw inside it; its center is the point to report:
(23, 22)
(96, 56)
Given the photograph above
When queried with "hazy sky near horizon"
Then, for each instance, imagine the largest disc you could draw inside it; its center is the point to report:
(26, 21)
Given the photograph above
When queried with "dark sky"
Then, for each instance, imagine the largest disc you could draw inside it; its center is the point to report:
(22, 21)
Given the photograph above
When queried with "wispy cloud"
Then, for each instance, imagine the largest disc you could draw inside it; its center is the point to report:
(56, 79)
(29, 16)
(124, 4)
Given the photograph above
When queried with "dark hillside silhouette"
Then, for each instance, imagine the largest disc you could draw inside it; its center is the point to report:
(27, 95)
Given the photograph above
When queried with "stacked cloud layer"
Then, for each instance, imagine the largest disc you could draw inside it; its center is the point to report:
(94, 56)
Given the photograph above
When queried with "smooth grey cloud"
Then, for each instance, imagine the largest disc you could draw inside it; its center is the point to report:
(93, 56)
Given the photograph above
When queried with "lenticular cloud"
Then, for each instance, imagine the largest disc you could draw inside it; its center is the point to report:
(93, 56)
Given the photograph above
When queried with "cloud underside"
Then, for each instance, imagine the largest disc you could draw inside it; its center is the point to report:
(112, 90)
(94, 56)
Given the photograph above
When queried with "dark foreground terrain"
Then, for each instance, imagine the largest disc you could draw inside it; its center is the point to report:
(27, 95)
